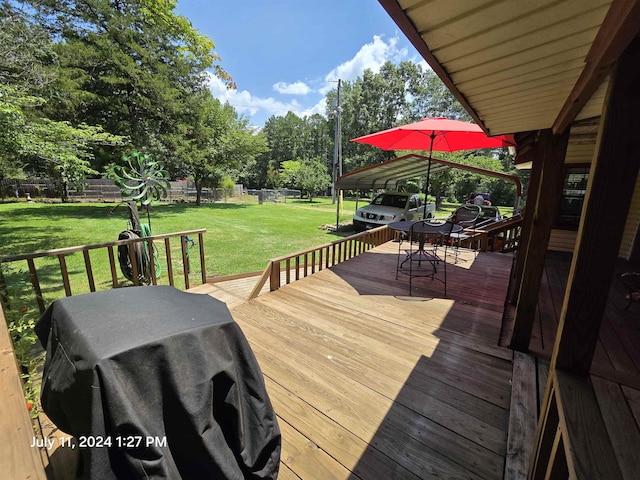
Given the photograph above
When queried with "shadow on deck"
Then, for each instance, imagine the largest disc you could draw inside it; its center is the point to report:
(369, 382)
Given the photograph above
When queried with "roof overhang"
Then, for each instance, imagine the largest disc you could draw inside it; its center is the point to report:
(389, 174)
(521, 66)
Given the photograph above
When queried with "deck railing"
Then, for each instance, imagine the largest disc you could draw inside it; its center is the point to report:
(63, 253)
(501, 236)
(293, 266)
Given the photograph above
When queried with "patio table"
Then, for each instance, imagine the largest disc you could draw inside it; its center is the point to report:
(424, 229)
(156, 383)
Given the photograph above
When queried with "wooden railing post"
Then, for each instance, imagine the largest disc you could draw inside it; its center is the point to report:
(261, 281)
(203, 267)
(185, 261)
(274, 278)
(132, 244)
(65, 275)
(152, 264)
(87, 266)
(167, 251)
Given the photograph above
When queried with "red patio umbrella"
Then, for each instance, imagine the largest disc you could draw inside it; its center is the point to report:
(439, 134)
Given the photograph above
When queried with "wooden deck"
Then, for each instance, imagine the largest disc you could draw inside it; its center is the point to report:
(615, 371)
(369, 382)
(618, 350)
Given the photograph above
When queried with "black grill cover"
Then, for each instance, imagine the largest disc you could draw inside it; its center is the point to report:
(166, 377)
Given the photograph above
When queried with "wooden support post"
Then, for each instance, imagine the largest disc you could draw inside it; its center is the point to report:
(550, 150)
(611, 182)
(527, 220)
(274, 279)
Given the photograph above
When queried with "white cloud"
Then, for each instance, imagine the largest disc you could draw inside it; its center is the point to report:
(319, 107)
(370, 56)
(245, 102)
(423, 64)
(297, 88)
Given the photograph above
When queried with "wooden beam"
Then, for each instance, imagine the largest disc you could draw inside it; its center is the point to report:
(550, 150)
(526, 153)
(405, 24)
(611, 183)
(620, 26)
(523, 415)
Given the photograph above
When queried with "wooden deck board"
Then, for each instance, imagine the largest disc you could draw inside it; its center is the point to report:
(523, 418)
(615, 369)
(18, 459)
(384, 384)
(388, 382)
(369, 382)
(378, 330)
(618, 348)
(339, 442)
(621, 426)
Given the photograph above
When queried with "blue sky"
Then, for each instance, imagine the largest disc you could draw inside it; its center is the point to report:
(284, 55)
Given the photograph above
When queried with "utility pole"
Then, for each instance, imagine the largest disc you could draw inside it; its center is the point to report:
(337, 148)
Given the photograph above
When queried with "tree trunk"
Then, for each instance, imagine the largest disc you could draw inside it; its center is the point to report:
(198, 192)
(65, 192)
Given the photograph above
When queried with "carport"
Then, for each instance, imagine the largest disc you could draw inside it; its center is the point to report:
(389, 174)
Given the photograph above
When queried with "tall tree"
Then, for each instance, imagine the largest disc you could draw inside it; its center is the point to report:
(290, 137)
(395, 95)
(128, 65)
(27, 67)
(66, 150)
(308, 175)
(25, 56)
(219, 142)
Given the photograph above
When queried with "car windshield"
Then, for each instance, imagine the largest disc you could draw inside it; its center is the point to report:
(398, 201)
(473, 195)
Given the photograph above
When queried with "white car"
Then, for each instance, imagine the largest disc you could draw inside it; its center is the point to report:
(390, 207)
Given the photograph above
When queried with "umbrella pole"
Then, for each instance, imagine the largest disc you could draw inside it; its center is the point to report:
(426, 186)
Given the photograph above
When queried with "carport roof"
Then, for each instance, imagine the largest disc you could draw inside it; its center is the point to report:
(390, 173)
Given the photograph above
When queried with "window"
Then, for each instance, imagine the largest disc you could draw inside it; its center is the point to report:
(574, 189)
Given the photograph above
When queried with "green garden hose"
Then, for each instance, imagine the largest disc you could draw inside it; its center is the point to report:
(146, 232)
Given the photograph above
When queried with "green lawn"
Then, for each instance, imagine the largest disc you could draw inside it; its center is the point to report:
(241, 236)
